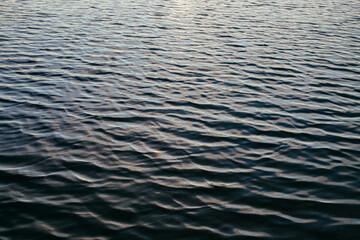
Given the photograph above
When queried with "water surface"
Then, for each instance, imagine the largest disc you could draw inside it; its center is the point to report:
(179, 119)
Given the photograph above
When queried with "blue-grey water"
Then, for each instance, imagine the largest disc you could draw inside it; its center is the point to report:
(179, 119)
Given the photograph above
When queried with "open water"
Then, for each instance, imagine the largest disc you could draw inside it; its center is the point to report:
(179, 119)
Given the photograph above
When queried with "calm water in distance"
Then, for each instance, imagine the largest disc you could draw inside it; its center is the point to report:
(179, 119)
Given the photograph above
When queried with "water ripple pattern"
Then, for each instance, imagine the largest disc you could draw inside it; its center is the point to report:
(179, 119)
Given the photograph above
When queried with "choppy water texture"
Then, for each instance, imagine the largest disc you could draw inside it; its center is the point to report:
(179, 119)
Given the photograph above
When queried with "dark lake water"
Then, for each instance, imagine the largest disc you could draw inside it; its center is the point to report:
(180, 119)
